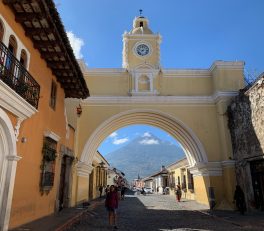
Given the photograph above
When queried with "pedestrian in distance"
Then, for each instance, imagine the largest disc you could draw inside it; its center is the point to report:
(107, 189)
(239, 199)
(143, 192)
(178, 193)
(100, 190)
(111, 204)
(123, 190)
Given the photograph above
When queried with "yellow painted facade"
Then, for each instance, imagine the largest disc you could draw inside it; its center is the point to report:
(189, 104)
(180, 175)
(22, 139)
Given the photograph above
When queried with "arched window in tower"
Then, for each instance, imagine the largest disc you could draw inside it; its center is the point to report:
(1, 31)
(23, 58)
(143, 83)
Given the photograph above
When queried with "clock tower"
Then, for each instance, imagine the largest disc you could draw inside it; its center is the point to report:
(141, 57)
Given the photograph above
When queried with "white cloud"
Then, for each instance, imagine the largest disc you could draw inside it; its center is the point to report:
(76, 44)
(149, 141)
(146, 134)
(114, 134)
(120, 141)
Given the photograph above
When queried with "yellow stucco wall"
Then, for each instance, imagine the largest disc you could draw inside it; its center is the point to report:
(82, 189)
(201, 184)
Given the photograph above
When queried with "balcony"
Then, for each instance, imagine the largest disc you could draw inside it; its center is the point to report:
(14, 74)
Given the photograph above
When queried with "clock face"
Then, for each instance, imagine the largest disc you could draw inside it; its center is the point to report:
(142, 49)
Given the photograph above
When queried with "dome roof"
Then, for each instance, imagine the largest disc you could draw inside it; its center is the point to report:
(140, 26)
(141, 30)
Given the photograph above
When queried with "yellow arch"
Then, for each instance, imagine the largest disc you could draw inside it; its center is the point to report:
(193, 148)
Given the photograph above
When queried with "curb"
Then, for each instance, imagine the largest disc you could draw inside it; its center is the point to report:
(77, 217)
(71, 221)
(220, 218)
(246, 226)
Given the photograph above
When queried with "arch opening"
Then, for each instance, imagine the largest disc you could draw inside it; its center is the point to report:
(191, 145)
(146, 148)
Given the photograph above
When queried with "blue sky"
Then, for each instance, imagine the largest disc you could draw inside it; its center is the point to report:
(124, 135)
(194, 34)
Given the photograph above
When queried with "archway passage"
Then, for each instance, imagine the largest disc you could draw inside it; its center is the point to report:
(193, 148)
(191, 145)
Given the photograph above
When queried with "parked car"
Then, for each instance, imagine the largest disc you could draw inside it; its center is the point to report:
(166, 191)
(148, 190)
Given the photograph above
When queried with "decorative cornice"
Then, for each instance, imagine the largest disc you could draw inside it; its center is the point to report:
(186, 73)
(13, 158)
(83, 169)
(52, 135)
(139, 36)
(14, 103)
(227, 65)
(144, 93)
(163, 100)
(113, 72)
(228, 163)
(176, 73)
(207, 169)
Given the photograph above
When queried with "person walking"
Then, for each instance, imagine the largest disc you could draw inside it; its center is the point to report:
(178, 192)
(100, 190)
(239, 198)
(123, 190)
(111, 204)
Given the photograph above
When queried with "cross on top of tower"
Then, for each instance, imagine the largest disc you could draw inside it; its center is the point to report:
(140, 12)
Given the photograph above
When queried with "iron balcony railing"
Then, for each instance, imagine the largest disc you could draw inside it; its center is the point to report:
(14, 74)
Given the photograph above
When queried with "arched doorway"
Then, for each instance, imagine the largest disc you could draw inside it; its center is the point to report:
(8, 162)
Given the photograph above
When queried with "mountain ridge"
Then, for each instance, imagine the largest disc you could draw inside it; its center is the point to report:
(144, 156)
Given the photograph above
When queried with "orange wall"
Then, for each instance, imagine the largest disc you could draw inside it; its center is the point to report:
(28, 204)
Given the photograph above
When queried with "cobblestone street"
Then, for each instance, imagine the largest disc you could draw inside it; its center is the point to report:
(156, 212)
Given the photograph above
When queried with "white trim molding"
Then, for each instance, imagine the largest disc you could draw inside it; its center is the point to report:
(207, 169)
(162, 100)
(227, 65)
(228, 163)
(52, 135)
(14, 103)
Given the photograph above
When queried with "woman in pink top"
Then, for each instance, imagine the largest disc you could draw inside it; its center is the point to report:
(111, 204)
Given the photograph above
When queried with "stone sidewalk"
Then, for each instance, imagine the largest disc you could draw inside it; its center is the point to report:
(60, 221)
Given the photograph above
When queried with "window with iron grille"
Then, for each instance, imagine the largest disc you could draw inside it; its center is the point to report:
(190, 180)
(48, 164)
(53, 95)
(184, 182)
